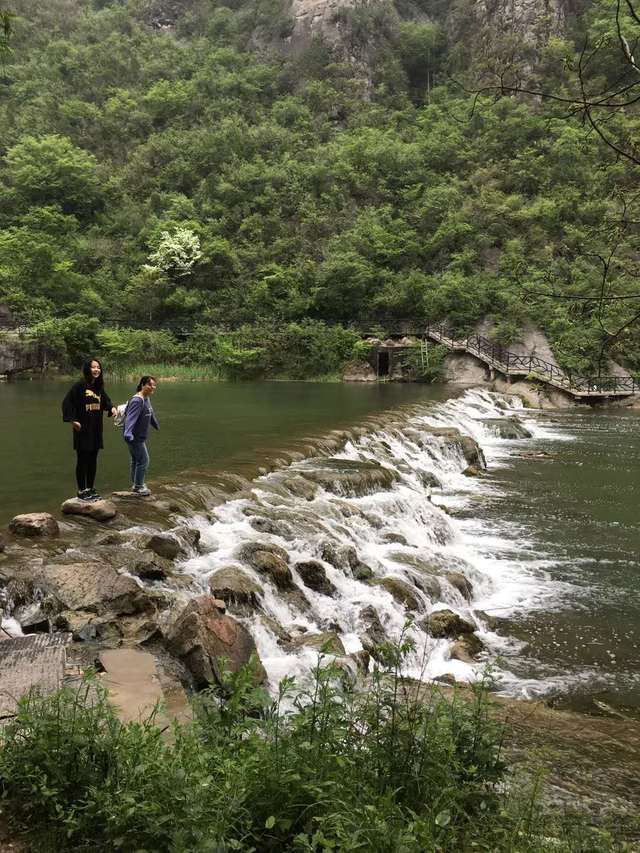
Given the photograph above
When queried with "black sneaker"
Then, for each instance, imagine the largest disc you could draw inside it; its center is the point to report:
(94, 496)
(85, 495)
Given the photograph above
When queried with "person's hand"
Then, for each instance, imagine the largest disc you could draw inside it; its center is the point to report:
(77, 426)
(114, 412)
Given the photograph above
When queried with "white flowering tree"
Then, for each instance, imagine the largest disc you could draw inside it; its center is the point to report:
(177, 253)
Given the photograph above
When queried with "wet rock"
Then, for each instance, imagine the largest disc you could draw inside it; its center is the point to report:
(95, 587)
(249, 549)
(446, 623)
(34, 524)
(176, 544)
(350, 477)
(270, 564)
(3, 544)
(428, 479)
(394, 538)
(274, 528)
(345, 559)
(210, 643)
(32, 618)
(88, 627)
(472, 471)
(300, 487)
(235, 587)
(446, 678)
(326, 643)
(400, 590)
(462, 584)
(509, 428)
(466, 648)
(472, 452)
(314, 576)
(276, 628)
(97, 510)
(149, 566)
(492, 622)
(374, 634)
(428, 584)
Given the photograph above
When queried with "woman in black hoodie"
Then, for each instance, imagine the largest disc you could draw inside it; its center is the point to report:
(82, 408)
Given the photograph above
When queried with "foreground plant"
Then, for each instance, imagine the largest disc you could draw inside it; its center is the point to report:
(395, 766)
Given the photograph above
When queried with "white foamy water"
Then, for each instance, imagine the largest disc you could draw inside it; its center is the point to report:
(401, 532)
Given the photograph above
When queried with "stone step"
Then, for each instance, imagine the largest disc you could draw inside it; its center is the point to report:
(33, 662)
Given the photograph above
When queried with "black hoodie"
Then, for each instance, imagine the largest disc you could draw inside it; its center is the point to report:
(86, 405)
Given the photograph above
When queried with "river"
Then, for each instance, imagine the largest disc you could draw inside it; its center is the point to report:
(549, 537)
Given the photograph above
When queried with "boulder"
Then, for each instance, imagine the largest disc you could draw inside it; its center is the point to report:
(234, 586)
(459, 582)
(466, 648)
(328, 643)
(249, 549)
(314, 576)
(94, 587)
(446, 623)
(268, 563)
(34, 524)
(349, 477)
(210, 643)
(88, 627)
(165, 545)
(446, 678)
(428, 479)
(97, 510)
(509, 428)
(299, 487)
(400, 590)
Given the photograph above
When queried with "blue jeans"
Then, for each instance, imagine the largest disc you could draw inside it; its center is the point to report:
(139, 461)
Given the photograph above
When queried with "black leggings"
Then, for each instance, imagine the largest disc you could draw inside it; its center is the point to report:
(86, 469)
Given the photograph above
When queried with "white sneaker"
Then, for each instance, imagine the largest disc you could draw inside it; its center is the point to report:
(142, 491)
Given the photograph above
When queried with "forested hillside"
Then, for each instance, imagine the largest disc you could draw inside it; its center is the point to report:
(188, 167)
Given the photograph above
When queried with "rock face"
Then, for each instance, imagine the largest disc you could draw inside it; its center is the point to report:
(98, 510)
(359, 371)
(17, 354)
(209, 643)
(314, 576)
(34, 524)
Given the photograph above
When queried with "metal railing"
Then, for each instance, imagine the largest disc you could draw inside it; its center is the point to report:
(512, 363)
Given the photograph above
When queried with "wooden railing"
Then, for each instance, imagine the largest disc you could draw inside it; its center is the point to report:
(513, 364)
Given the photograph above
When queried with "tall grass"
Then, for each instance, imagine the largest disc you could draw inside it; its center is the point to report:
(166, 372)
(327, 767)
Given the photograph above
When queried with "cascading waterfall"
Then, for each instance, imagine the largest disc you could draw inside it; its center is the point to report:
(396, 507)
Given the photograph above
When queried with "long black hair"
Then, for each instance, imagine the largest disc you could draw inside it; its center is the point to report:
(144, 380)
(96, 384)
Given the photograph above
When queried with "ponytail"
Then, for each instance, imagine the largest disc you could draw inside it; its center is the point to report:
(144, 380)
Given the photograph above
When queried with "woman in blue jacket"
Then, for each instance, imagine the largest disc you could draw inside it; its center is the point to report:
(139, 416)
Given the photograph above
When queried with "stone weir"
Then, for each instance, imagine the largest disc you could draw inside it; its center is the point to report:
(334, 548)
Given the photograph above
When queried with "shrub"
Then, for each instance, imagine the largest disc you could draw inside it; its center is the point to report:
(325, 766)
